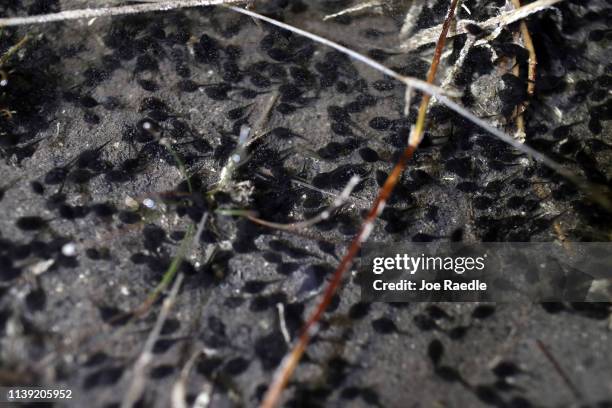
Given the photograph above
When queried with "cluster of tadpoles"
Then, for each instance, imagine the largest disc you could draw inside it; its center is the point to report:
(284, 372)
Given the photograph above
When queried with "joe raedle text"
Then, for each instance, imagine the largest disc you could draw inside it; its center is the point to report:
(423, 285)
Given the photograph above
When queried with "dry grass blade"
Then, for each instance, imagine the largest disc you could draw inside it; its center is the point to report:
(179, 389)
(429, 35)
(354, 9)
(9, 53)
(140, 367)
(111, 11)
(290, 361)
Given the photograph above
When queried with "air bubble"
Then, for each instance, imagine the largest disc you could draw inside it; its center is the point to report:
(149, 203)
(69, 249)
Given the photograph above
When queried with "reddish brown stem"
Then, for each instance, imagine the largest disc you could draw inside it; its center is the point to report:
(551, 358)
(284, 372)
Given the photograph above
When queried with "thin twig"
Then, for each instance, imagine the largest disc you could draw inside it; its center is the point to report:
(558, 369)
(111, 11)
(533, 61)
(531, 75)
(417, 132)
(144, 360)
(290, 361)
(199, 231)
(519, 110)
